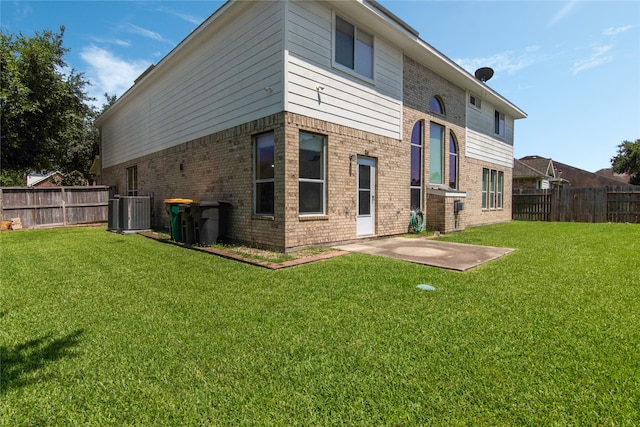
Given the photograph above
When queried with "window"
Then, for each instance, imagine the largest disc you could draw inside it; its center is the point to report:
(492, 189)
(132, 181)
(499, 123)
(453, 161)
(312, 173)
(416, 165)
(436, 105)
(475, 101)
(485, 188)
(436, 138)
(264, 173)
(353, 48)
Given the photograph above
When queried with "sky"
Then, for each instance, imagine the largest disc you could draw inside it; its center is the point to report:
(572, 66)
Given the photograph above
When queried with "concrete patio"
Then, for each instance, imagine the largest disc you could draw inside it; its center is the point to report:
(453, 256)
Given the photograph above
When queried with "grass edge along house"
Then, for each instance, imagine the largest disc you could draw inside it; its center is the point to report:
(319, 122)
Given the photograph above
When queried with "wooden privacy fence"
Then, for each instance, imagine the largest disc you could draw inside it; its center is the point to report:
(54, 206)
(609, 204)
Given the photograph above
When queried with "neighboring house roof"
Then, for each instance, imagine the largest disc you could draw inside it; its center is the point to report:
(535, 167)
(388, 24)
(580, 178)
(523, 170)
(545, 168)
(39, 179)
(609, 173)
(542, 164)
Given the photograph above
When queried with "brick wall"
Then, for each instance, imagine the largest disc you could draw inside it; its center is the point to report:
(343, 146)
(217, 167)
(471, 181)
(420, 85)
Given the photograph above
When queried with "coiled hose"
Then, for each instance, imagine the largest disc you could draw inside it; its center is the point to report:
(416, 225)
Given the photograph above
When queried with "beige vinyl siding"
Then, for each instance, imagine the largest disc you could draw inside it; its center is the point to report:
(344, 98)
(214, 82)
(483, 147)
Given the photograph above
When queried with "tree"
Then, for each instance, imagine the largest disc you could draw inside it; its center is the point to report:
(628, 160)
(46, 121)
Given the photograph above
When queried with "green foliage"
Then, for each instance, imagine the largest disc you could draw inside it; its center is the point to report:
(12, 178)
(46, 123)
(106, 329)
(628, 160)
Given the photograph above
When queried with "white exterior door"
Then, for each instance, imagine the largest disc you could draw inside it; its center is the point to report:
(366, 197)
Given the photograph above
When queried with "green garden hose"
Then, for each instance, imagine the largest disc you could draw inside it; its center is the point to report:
(416, 225)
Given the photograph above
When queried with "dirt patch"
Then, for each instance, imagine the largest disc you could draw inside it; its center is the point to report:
(265, 258)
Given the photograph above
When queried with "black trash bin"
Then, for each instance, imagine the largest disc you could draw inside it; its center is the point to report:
(210, 220)
(187, 224)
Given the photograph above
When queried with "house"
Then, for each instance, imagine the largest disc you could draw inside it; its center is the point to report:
(537, 172)
(45, 179)
(319, 121)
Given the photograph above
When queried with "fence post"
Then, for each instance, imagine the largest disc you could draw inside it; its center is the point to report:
(63, 200)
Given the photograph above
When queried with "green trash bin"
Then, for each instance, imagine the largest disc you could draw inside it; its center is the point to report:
(175, 208)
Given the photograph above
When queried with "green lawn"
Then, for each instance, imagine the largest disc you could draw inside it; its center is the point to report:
(104, 329)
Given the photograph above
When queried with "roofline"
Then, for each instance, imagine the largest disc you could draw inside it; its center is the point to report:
(418, 49)
(153, 68)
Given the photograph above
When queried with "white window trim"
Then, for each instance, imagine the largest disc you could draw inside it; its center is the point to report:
(343, 68)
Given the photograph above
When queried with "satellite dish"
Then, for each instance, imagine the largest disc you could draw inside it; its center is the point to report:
(483, 74)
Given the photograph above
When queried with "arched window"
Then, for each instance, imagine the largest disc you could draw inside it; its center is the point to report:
(416, 165)
(436, 105)
(436, 153)
(453, 161)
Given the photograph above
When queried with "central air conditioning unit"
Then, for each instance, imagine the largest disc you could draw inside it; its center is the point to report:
(129, 213)
(135, 213)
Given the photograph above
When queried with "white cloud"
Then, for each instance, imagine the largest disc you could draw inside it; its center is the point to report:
(509, 61)
(108, 73)
(185, 17)
(599, 55)
(562, 13)
(614, 31)
(118, 42)
(147, 33)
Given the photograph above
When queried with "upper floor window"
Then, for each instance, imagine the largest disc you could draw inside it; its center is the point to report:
(499, 123)
(453, 161)
(132, 181)
(436, 153)
(353, 48)
(475, 101)
(264, 173)
(436, 105)
(416, 165)
(312, 173)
